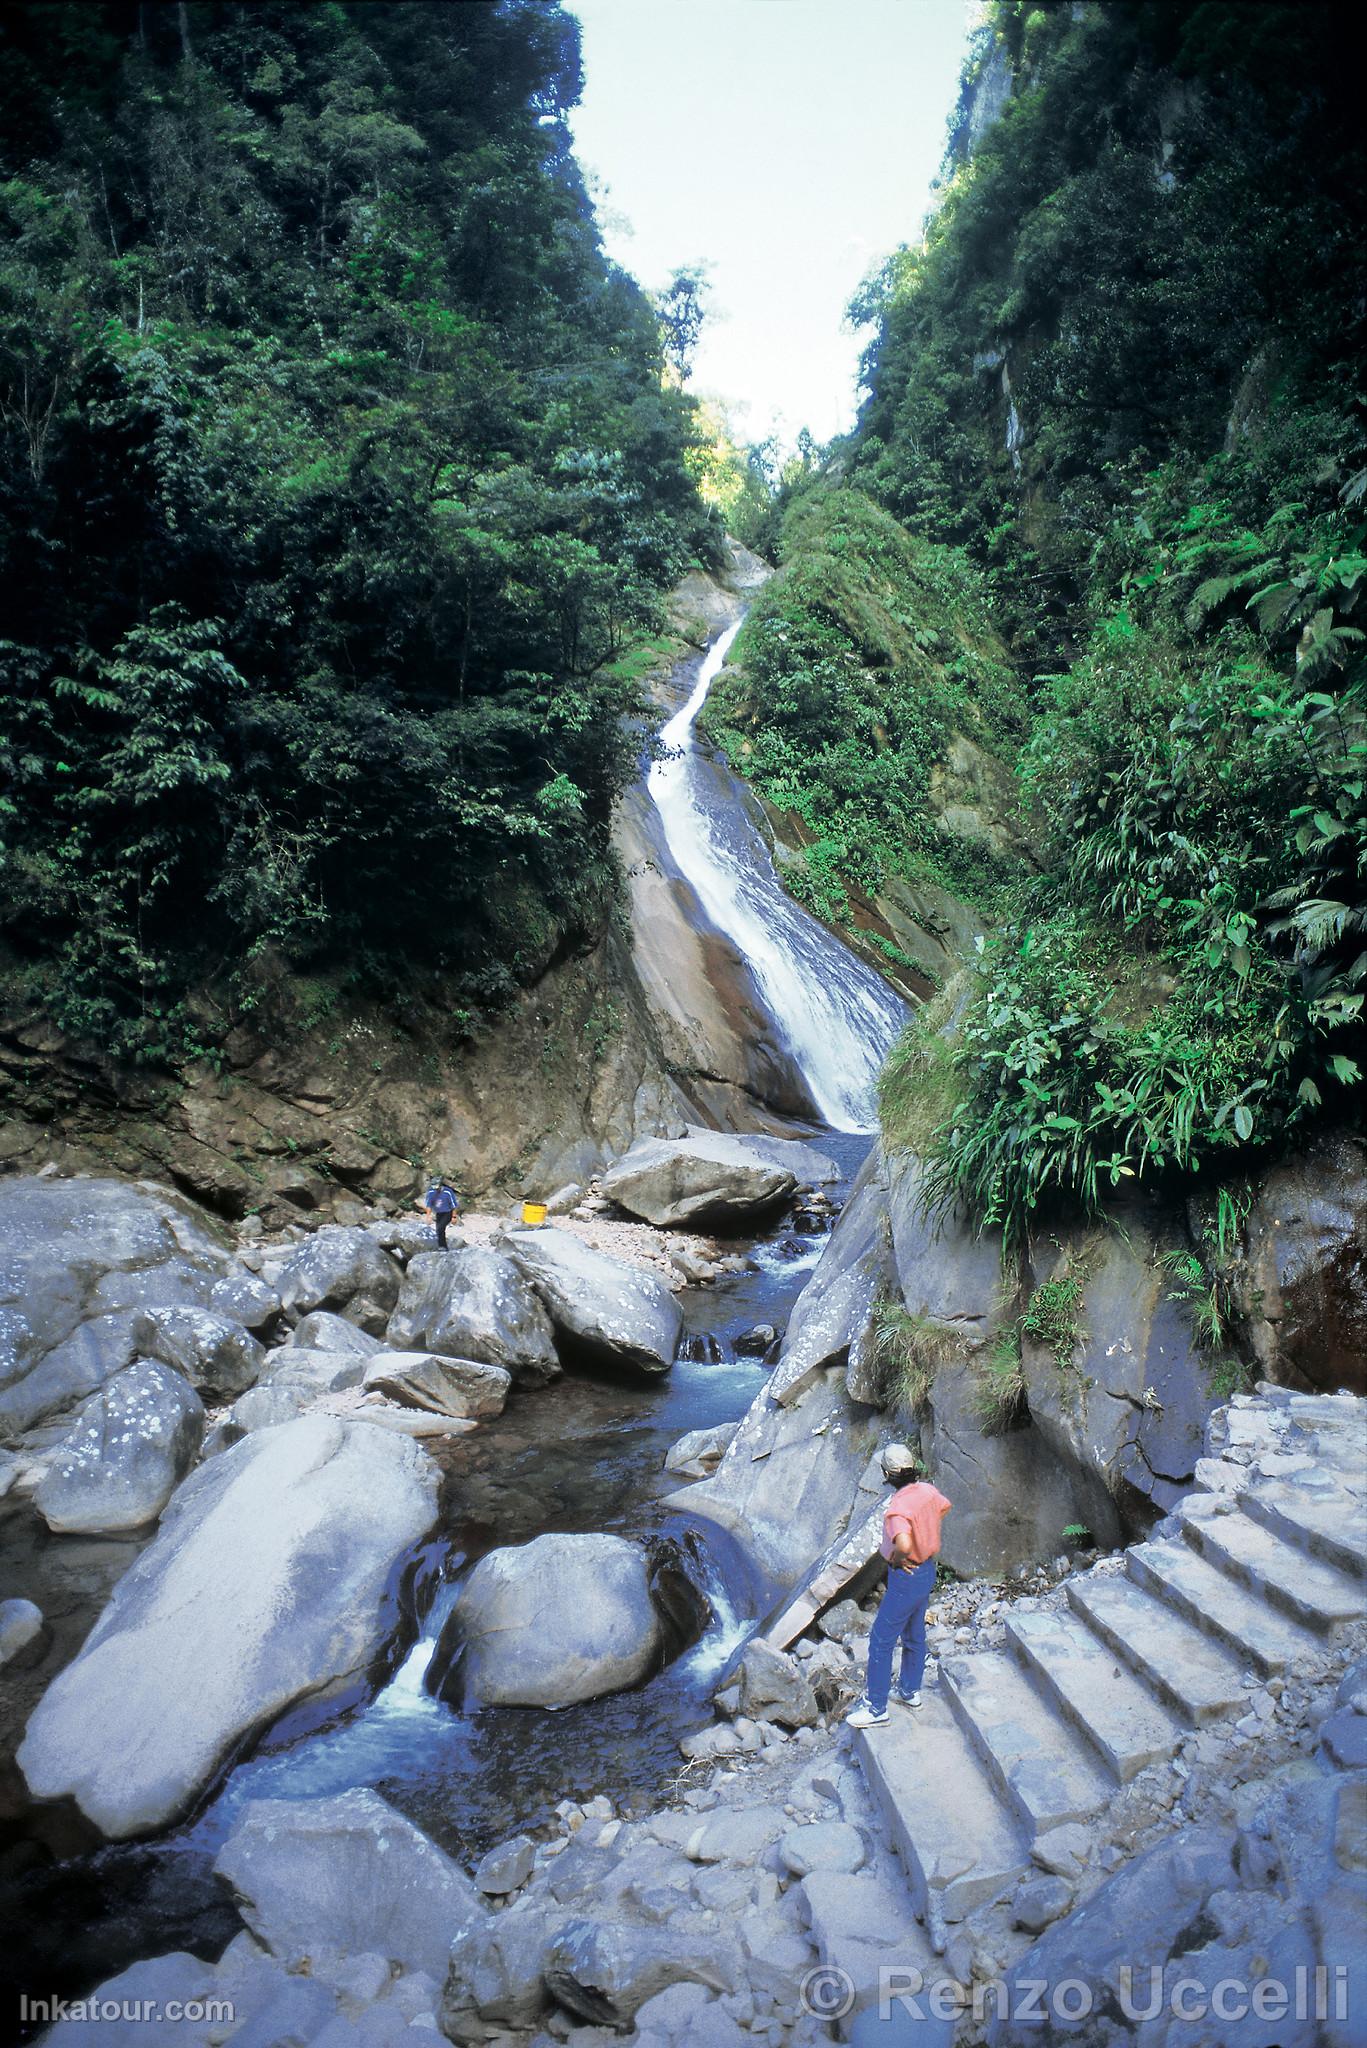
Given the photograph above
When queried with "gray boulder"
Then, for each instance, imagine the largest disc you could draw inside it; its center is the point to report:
(270, 1580)
(444, 1386)
(62, 1240)
(324, 1331)
(772, 1688)
(334, 1267)
(347, 1875)
(615, 1315)
(698, 1454)
(560, 1619)
(21, 1628)
(503, 1868)
(133, 1444)
(605, 1970)
(706, 1177)
(80, 1365)
(496, 1974)
(292, 1383)
(211, 1352)
(474, 1304)
(245, 1298)
(823, 1845)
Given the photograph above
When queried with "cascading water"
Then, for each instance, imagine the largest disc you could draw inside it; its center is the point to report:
(836, 1016)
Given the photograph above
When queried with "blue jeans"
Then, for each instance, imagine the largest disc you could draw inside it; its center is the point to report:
(901, 1616)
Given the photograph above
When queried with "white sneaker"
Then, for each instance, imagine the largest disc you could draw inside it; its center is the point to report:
(862, 1715)
(906, 1699)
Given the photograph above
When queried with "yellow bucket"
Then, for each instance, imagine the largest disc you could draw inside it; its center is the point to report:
(533, 1212)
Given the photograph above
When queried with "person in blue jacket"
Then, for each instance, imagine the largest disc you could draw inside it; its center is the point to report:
(440, 1204)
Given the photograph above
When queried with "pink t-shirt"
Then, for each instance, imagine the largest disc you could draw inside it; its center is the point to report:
(919, 1509)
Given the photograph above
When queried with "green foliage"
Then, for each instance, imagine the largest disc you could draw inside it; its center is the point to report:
(341, 470)
(908, 1351)
(1050, 1317)
(857, 665)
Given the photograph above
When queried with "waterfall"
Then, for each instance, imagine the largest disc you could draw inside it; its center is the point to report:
(836, 1016)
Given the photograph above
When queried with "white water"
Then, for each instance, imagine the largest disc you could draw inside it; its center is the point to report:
(836, 1016)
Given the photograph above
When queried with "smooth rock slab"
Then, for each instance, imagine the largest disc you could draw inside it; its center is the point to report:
(705, 1177)
(346, 1874)
(443, 1386)
(271, 1579)
(546, 1623)
(132, 1446)
(615, 1314)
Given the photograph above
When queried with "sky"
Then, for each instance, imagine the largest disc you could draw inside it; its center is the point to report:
(786, 145)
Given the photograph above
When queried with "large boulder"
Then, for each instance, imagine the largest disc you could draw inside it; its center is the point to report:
(133, 1444)
(336, 1267)
(322, 1330)
(706, 1177)
(80, 1365)
(347, 1875)
(611, 1314)
(474, 1303)
(212, 1353)
(71, 1252)
(271, 1579)
(1307, 1257)
(560, 1619)
(443, 1386)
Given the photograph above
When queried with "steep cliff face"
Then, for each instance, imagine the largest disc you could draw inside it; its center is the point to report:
(320, 1102)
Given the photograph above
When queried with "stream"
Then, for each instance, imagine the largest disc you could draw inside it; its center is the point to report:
(584, 1454)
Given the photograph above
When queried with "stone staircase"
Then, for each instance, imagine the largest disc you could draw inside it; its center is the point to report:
(1255, 1575)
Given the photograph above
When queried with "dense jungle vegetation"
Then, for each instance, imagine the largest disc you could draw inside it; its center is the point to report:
(1115, 405)
(339, 469)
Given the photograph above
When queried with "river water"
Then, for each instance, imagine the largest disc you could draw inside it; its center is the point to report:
(584, 1454)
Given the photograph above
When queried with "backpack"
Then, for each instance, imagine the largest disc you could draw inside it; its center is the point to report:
(441, 1201)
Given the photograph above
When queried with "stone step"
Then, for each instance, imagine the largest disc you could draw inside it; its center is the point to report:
(1304, 1587)
(1200, 1678)
(1043, 1770)
(959, 1844)
(1114, 1709)
(1324, 1520)
(1266, 1640)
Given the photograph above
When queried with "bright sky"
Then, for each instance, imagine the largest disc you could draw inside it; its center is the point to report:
(788, 146)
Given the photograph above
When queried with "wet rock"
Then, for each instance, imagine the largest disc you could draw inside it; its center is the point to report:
(443, 1386)
(546, 1623)
(773, 1688)
(213, 1353)
(120, 1464)
(757, 1342)
(507, 1866)
(476, 1304)
(21, 1631)
(270, 1580)
(336, 1266)
(705, 1177)
(698, 1454)
(346, 1874)
(613, 1314)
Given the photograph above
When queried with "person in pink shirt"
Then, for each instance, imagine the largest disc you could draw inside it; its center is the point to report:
(911, 1543)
